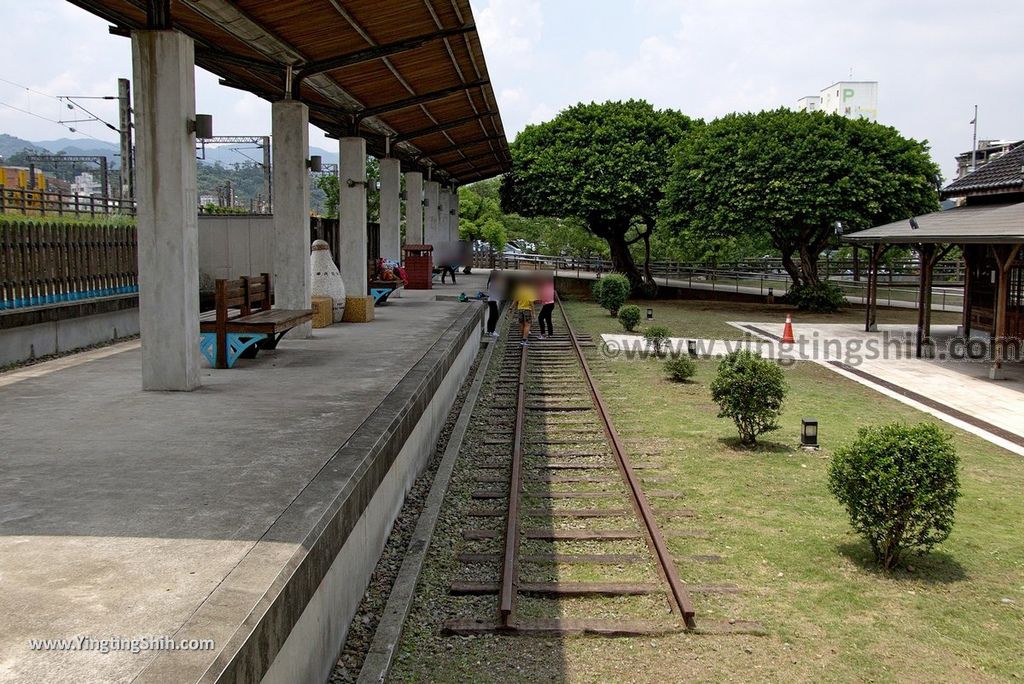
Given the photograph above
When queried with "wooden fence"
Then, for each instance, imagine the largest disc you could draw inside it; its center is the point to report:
(46, 203)
(47, 262)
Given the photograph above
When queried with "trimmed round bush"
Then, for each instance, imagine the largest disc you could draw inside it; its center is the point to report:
(823, 297)
(629, 317)
(680, 369)
(658, 336)
(899, 485)
(613, 292)
(750, 390)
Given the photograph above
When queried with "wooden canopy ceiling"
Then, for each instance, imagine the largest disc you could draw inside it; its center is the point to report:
(408, 71)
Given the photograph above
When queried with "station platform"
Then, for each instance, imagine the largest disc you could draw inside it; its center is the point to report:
(249, 513)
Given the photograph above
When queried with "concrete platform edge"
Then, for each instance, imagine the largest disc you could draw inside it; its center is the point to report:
(356, 496)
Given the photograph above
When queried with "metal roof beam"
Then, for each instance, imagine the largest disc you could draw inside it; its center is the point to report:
(412, 135)
(419, 99)
(475, 158)
(461, 146)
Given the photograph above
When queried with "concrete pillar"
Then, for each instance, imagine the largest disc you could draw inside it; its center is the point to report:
(431, 196)
(443, 204)
(352, 185)
(163, 64)
(290, 129)
(455, 216)
(414, 208)
(390, 209)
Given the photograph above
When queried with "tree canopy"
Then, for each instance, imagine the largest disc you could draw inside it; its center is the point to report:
(604, 164)
(793, 175)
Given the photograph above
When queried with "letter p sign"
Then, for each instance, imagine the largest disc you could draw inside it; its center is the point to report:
(847, 94)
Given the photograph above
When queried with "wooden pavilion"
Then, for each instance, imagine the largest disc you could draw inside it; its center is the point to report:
(988, 230)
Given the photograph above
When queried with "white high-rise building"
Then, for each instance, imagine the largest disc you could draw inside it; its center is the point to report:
(852, 99)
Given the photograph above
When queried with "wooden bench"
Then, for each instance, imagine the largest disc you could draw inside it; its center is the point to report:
(382, 289)
(243, 321)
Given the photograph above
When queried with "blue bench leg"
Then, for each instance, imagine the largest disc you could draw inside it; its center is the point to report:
(237, 343)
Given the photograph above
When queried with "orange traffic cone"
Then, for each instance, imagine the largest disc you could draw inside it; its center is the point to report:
(787, 331)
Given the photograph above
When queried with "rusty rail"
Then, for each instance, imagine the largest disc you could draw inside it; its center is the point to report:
(680, 596)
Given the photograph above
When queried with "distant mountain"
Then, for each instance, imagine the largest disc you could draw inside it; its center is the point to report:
(11, 145)
(226, 155)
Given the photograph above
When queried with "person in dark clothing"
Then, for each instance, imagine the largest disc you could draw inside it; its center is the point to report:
(446, 271)
(493, 302)
(547, 306)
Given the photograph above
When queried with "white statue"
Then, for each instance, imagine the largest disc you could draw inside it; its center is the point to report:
(326, 280)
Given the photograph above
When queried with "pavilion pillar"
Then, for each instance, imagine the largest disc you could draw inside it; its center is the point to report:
(390, 209)
(167, 221)
(871, 298)
(431, 196)
(290, 183)
(414, 208)
(1004, 255)
(965, 321)
(352, 200)
(924, 298)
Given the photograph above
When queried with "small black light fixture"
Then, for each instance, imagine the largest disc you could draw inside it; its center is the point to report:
(202, 125)
(809, 433)
(650, 314)
(913, 223)
(376, 185)
(315, 163)
(426, 202)
(838, 225)
(691, 348)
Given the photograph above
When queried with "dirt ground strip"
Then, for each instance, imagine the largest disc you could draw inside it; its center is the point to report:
(364, 623)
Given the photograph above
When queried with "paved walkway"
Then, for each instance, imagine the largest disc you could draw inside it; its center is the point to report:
(958, 392)
(126, 513)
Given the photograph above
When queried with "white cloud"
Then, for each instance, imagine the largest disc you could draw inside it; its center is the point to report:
(509, 31)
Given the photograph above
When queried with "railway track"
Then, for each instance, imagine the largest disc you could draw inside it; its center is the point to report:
(571, 526)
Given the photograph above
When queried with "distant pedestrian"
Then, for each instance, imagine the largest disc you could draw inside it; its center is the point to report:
(523, 297)
(547, 306)
(493, 302)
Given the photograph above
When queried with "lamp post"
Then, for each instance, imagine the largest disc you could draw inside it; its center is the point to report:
(809, 434)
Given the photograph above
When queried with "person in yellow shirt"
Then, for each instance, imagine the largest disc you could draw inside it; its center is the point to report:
(523, 297)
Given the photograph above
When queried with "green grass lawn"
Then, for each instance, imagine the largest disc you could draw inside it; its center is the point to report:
(830, 614)
(710, 319)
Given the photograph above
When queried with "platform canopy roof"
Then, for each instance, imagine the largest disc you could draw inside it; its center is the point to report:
(980, 224)
(409, 70)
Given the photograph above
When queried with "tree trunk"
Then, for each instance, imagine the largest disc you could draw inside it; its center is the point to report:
(809, 264)
(648, 276)
(792, 268)
(622, 259)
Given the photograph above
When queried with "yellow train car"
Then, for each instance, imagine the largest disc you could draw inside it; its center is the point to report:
(18, 177)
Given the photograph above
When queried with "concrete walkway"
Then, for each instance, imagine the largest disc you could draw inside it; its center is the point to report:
(958, 392)
(128, 514)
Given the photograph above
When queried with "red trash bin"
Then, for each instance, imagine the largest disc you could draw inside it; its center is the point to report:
(419, 266)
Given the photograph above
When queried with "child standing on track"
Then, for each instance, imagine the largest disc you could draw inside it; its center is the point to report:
(523, 297)
(547, 306)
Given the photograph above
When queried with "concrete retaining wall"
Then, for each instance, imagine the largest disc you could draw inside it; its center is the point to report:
(53, 334)
(233, 246)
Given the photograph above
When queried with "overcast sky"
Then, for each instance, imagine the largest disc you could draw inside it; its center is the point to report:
(934, 60)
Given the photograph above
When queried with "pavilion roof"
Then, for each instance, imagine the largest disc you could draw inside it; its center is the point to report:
(980, 224)
(409, 70)
(1005, 174)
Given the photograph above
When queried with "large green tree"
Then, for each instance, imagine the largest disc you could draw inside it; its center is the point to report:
(792, 176)
(604, 164)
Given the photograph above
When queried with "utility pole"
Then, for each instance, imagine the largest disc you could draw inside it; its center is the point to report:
(125, 129)
(974, 148)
